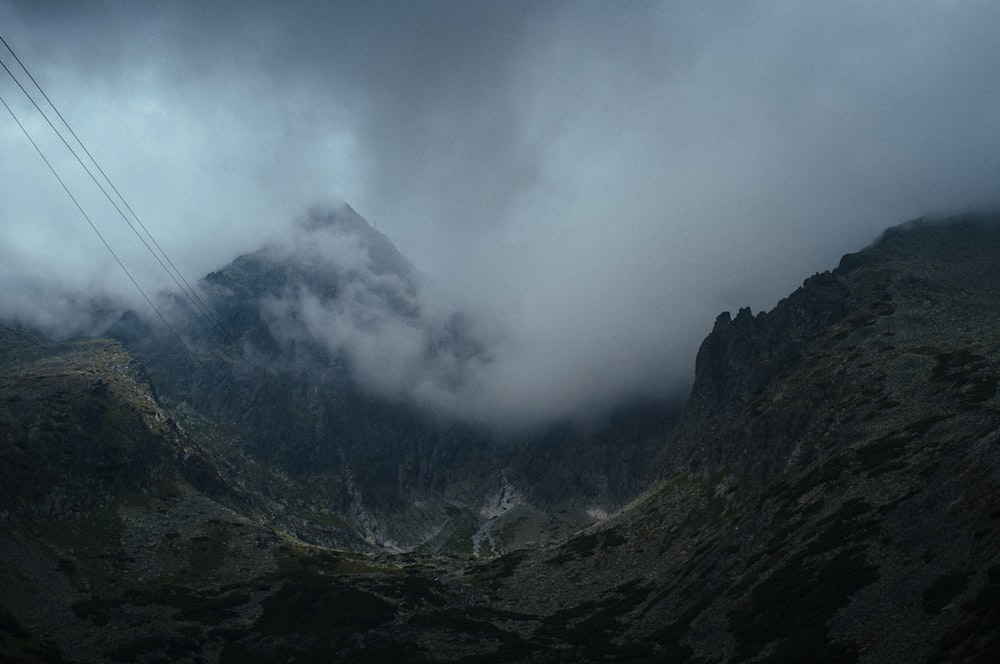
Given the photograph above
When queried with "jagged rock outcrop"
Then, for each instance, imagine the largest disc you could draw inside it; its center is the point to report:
(743, 355)
(929, 268)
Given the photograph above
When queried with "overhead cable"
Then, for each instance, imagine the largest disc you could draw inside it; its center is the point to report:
(169, 267)
(93, 227)
(158, 253)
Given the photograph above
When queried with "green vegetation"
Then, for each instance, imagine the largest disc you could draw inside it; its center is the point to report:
(325, 606)
(207, 552)
(885, 454)
(413, 590)
(207, 607)
(965, 371)
(165, 647)
(477, 625)
(95, 539)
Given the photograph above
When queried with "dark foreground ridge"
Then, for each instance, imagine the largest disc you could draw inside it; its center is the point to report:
(831, 493)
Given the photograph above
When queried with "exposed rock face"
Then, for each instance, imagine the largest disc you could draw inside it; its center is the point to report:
(943, 271)
(743, 355)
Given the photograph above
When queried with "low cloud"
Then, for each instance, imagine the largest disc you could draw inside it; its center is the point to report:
(337, 283)
(589, 184)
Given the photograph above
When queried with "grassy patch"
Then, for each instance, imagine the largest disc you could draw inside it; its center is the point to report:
(160, 647)
(206, 607)
(97, 610)
(505, 565)
(413, 590)
(95, 540)
(310, 603)
(886, 453)
(844, 526)
(310, 617)
(963, 369)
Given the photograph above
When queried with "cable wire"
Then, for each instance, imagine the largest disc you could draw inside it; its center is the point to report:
(159, 253)
(93, 227)
(47, 347)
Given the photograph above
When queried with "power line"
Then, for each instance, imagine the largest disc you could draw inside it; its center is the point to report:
(96, 231)
(175, 274)
(172, 270)
(177, 277)
(47, 347)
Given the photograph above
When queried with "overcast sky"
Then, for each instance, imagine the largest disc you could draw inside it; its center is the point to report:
(599, 178)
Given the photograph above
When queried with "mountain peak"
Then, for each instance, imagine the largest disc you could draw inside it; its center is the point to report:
(342, 222)
(334, 216)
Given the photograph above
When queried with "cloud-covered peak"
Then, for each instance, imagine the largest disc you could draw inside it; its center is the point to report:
(342, 289)
(324, 222)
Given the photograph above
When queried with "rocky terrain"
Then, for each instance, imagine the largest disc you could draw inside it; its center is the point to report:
(281, 392)
(830, 493)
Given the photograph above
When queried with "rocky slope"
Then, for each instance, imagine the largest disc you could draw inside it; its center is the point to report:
(831, 493)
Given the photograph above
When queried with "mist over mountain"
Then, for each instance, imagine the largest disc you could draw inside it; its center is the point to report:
(585, 182)
(327, 358)
(454, 429)
(339, 284)
(342, 286)
(333, 284)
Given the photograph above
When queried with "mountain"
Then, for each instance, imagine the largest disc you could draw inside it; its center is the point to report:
(829, 493)
(832, 491)
(329, 337)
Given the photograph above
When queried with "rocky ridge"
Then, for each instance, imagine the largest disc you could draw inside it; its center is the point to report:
(832, 491)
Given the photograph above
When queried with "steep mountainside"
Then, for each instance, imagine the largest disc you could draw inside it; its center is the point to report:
(831, 493)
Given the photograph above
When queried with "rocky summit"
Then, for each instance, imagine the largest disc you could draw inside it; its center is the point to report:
(829, 492)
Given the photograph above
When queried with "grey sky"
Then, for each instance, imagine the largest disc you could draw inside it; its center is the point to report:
(598, 178)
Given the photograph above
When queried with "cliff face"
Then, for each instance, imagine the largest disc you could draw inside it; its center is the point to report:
(742, 356)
